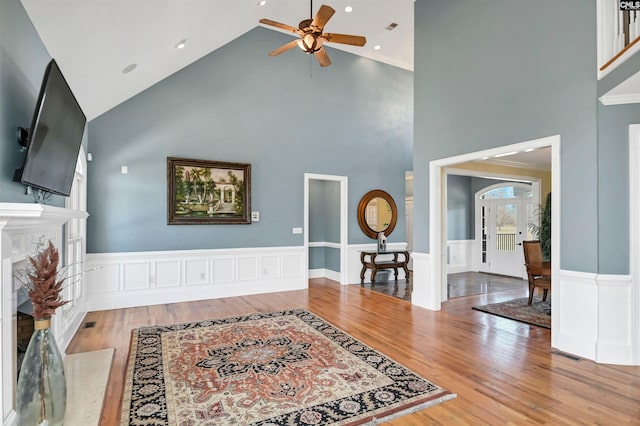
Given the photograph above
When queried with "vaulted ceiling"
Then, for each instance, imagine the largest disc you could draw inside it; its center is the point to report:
(111, 50)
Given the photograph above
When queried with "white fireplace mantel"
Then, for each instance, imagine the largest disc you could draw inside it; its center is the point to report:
(21, 227)
(26, 217)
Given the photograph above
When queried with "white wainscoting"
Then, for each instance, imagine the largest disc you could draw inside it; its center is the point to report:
(615, 344)
(592, 313)
(123, 280)
(426, 293)
(355, 265)
(594, 316)
(460, 255)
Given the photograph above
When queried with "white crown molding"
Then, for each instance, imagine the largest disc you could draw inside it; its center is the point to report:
(620, 99)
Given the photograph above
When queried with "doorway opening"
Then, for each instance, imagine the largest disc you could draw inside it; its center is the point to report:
(325, 227)
(504, 215)
(432, 269)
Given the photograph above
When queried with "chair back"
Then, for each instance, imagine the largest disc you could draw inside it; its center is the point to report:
(532, 251)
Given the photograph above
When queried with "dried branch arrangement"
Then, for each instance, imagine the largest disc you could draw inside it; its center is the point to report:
(44, 283)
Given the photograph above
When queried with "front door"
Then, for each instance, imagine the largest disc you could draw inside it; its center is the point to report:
(503, 227)
(505, 237)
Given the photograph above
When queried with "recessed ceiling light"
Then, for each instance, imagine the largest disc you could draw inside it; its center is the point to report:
(506, 154)
(129, 68)
(377, 47)
(485, 158)
(181, 44)
(348, 9)
(529, 149)
(262, 2)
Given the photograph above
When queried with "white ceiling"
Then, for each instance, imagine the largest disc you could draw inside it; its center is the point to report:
(93, 41)
(538, 159)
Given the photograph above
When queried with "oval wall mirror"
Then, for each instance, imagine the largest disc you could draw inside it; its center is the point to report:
(377, 212)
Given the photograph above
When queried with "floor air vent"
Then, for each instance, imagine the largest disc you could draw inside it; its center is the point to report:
(89, 324)
(566, 355)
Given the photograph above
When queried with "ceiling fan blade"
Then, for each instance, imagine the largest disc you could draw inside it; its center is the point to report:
(324, 14)
(279, 25)
(323, 58)
(345, 39)
(284, 48)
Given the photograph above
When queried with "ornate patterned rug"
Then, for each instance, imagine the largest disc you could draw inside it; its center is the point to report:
(538, 313)
(278, 368)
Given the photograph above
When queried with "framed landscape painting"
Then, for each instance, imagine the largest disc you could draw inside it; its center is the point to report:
(208, 192)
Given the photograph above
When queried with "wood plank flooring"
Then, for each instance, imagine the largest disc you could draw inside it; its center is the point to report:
(504, 372)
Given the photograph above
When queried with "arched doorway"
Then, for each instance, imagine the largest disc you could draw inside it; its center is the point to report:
(505, 213)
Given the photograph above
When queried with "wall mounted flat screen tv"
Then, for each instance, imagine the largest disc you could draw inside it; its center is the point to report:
(55, 136)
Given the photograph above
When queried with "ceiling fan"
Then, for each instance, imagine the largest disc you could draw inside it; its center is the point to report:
(312, 37)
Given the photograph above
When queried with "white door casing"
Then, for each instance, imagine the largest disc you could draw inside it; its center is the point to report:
(343, 180)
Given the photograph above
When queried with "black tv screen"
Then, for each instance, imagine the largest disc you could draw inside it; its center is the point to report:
(55, 136)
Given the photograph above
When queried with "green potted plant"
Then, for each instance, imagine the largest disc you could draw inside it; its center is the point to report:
(543, 230)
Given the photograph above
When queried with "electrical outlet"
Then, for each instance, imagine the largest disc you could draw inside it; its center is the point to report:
(296, 230)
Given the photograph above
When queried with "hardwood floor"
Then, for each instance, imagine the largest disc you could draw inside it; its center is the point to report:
(504, 372)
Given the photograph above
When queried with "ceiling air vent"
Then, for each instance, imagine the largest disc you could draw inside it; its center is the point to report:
(392, 26)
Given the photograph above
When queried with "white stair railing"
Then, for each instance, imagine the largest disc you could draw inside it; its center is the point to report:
(618, 34)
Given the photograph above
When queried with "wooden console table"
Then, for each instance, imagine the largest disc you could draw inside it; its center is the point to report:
(376, 265)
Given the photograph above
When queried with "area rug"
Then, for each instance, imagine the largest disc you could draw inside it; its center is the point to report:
(277, 368)
(538, 313)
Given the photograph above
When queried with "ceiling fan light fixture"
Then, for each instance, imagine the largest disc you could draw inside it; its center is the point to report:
(309, 43)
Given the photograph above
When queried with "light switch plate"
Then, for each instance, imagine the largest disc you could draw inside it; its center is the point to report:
(255, 216)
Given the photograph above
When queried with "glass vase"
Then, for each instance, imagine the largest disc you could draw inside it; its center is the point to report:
(42, 389)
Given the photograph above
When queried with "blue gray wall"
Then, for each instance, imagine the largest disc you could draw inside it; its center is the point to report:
(284, 115)
(324, 223)
(459, 208)
(23, 59)
(613, 186)
(461, 205)
(490, 73)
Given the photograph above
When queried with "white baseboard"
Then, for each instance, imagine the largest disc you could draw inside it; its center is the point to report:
(150, 278)
(324, 273)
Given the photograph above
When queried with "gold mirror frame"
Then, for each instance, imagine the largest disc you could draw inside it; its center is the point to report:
(362, 218)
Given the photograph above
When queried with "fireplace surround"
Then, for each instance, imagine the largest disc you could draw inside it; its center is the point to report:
(21, 227)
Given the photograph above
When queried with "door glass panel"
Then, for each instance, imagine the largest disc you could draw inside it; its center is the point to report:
(484, 234)
(506, 227)
(508, 192)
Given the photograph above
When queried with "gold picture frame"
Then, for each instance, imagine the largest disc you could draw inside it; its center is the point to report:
(201, 192)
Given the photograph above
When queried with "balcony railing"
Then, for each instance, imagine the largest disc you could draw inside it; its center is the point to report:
(618, 34)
